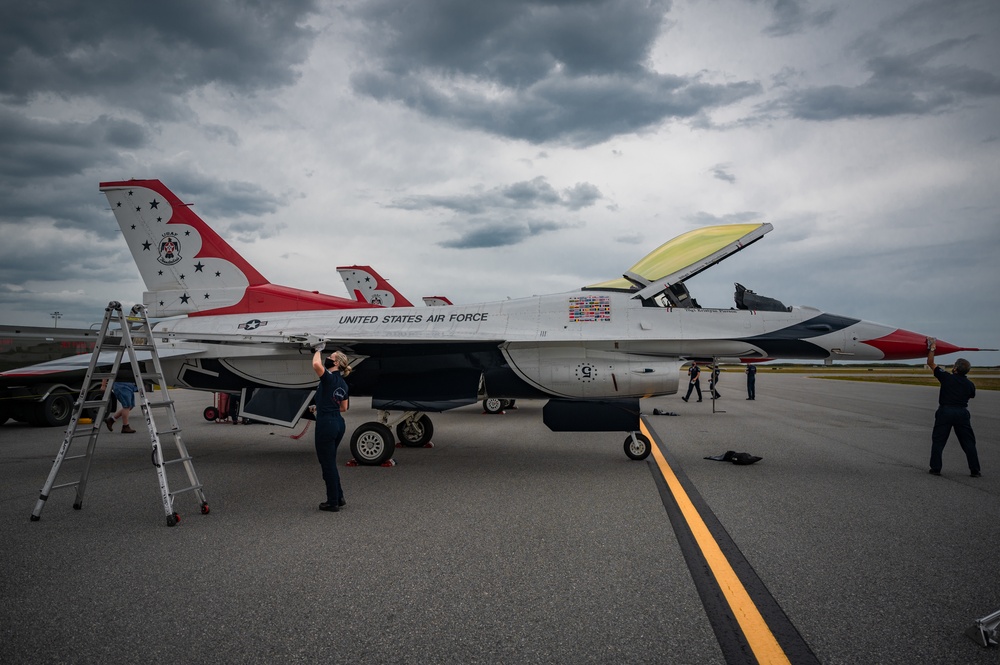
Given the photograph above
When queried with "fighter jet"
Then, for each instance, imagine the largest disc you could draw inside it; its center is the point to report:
(592, 352)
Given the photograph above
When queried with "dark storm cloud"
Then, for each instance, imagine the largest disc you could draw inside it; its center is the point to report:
(524, 195)
(30, 148)
(900, 84)
(483, 233)
(50, 254)
(539, 71)
(929, 75)
(213, 198)
(721, 172)
(147, 56)
(137, 62)
(793, 16)
(492, 226)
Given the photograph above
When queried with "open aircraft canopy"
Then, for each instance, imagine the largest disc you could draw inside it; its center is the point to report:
(684, 257)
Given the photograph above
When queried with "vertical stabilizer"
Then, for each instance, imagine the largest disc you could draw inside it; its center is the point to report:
(367, 286)
(187, 267)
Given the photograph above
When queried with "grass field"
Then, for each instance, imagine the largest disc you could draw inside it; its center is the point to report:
(982, 382)
(985, 378)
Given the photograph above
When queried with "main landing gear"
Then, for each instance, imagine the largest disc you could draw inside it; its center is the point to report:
(373, 444)
(494, 405)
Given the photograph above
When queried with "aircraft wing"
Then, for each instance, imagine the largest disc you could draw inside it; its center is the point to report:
(63, 369)
(684, 257)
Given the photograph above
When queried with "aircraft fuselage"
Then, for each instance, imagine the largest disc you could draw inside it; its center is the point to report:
(581, 344)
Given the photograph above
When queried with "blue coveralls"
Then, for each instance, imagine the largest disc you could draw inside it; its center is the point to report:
(695, 373)
(953, 412)
(330, 426)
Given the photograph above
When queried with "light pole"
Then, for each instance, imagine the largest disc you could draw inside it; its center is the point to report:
(55, 318)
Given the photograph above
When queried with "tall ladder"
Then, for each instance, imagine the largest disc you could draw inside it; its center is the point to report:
(125, 335)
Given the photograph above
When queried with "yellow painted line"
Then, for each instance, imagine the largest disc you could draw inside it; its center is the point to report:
(758, 634)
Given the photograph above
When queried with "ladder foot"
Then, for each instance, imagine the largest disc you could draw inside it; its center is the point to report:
(77, 506)
(172, 520)
(35, 518)
(204, 509)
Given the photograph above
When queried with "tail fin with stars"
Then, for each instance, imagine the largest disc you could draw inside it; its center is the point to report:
(188, 268)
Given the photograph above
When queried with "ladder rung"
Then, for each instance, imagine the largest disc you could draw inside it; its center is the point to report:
(159, 405)
(102, 375)
(175, 461)
(81, 433)
(93, 404)
(175, 430)
(66, 459)
(187, 489)
(143, 347)
(63, 486)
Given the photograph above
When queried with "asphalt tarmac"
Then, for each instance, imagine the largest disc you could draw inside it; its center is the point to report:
(509, 543)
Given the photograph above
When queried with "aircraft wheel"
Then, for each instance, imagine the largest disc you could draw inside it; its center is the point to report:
(211, 413)
(637, 447)
(55, 411)
(493, 405)
(415, 432)
(372, 444)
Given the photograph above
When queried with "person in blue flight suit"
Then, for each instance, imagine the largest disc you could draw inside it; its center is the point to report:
(331, 399)
(953, 412)
(713, 381)
(695, 383)
(751, 381)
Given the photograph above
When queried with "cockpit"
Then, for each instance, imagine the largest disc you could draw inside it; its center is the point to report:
(658, 278)
(747, 299)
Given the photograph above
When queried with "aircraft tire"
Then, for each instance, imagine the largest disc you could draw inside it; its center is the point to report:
(638, 449)
(54, 411)
(415, 432)
(493, 405)
(372, 444)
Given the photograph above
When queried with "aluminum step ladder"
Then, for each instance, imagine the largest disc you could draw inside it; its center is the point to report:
(125, 335)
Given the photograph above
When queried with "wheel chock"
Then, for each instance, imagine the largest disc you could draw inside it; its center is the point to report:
(354, 462)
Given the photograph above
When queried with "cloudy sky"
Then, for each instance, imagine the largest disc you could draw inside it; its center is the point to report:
(510, 148)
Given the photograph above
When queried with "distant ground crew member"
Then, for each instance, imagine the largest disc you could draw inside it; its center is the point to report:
(124, 391)
(953, 412)
(751, 381)
(713, 382)
(695, 383)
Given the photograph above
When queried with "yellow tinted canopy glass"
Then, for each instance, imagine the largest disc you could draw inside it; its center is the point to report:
(688, 254)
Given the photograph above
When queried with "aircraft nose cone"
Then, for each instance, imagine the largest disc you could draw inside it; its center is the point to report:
(905, 345)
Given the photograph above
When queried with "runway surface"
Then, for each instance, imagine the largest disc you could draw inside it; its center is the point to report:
(509, 543)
